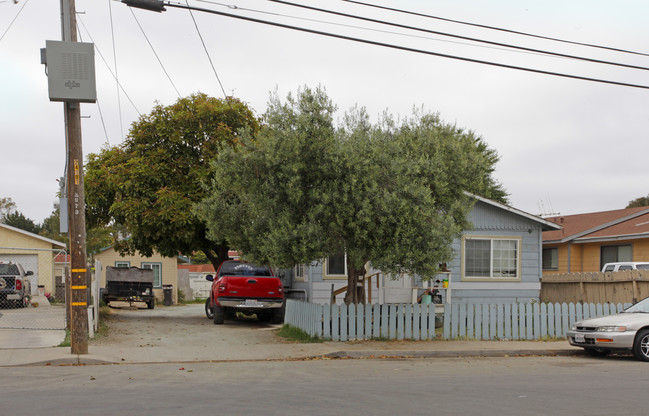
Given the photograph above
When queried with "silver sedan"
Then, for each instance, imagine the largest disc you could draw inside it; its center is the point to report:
(628, 330)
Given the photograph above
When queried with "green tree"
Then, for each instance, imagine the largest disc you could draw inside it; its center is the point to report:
(643, 201)
(7, 206)
(150, 182)
(390, 194)
(51, 227)
(18, 220)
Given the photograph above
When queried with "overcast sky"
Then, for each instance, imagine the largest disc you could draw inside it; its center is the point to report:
(567, 146)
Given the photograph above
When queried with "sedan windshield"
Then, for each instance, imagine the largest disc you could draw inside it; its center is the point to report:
(640, 307)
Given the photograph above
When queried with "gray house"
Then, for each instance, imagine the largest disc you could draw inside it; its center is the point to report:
(497, 260)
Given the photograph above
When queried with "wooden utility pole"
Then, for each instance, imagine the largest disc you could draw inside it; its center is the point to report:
(78, 281)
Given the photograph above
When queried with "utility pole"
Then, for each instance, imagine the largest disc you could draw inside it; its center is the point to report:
(78, 282)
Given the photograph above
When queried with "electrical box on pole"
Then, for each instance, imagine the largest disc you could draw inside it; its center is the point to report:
(70, 71)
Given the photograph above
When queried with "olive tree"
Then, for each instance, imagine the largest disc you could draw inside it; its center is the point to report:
(393, 194)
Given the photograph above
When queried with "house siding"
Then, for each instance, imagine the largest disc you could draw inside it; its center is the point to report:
(487, 221)
(490, 221)
(23, 244)
(169, 269)
(585, 257)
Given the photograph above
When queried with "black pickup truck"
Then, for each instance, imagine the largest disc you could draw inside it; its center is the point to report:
(129, 284)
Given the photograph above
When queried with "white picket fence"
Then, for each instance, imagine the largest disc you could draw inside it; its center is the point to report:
(515, 321)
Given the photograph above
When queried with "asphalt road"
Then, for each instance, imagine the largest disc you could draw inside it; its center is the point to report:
(480, 386)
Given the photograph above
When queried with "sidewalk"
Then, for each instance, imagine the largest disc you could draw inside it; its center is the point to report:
(181, 335)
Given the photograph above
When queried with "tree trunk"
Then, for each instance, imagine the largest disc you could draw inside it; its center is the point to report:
(355, 285)
(217, 255)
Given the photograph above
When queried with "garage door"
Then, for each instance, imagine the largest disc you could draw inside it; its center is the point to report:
(38, 315)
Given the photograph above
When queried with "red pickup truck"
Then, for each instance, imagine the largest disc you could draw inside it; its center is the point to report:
(247, 288)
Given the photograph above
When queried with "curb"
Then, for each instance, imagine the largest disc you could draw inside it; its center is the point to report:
(450, 354)
(80, 360)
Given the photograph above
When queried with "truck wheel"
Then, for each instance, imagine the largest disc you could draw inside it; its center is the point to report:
(278, 315)
(218, 315)
(151, 304)
(208, 309)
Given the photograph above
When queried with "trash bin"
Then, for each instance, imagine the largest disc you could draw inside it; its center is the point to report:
(168, 300)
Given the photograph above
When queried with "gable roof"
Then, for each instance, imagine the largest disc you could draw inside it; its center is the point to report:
(32, 235)
(606, 225)
(545, 225)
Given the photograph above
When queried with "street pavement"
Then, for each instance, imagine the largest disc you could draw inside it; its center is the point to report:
(182, 334)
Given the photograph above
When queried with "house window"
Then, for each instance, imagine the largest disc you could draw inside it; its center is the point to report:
(336, 265)
(301, 273)
(615, 254)
(157, 273)
(551, 258)
(126, 264)
(491, 258)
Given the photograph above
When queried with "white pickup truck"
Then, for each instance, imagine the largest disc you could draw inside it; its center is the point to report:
(627, 265)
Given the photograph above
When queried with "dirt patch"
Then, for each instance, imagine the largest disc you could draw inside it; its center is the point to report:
(180, 325)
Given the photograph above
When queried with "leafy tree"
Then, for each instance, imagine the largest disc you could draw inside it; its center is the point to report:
(390, 194)
(150, 182)
(643, 201)
(7, 206)
(51, 227)
(18, 220)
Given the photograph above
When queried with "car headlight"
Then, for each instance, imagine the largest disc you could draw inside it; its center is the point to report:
(611, 329)
(573, 328)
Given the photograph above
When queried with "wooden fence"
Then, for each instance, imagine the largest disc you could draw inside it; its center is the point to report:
(517, 321)
(613, 287)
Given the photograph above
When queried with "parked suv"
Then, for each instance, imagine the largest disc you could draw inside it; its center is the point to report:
(14, 285)
(246, 288)
(627, 265)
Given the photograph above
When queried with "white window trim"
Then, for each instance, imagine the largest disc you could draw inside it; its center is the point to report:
(333, 276)
(151, 263)
(305, 271)
(127, 263)
(519, 244)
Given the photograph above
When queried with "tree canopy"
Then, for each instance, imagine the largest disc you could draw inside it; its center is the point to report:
(392, 193)
(642, 201)
(150, 182)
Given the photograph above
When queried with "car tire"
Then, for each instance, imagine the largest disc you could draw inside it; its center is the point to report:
(597, 352)
(641, 345)
(218, 315)
(277, 316)
(208, 309)
(151, 304)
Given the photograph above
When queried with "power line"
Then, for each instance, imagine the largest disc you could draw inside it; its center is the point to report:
(206, 52)
(13, 20)
(435, 32)
(119, 101)
(154, 52)
(108, 66)
(590, 45)
(306, 19)
(407, 49)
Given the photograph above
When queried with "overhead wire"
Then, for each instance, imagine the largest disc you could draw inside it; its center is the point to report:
(108, 66)
(13, 20)
(119, 101)
(468, 38)
(155, 53)
(408, 49)
(306, 19)
(591, 45)
(101, 115)
(208, 54)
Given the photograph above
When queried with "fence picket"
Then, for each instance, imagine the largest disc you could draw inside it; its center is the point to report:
(408, 321)
(536, 312)
(414, 321)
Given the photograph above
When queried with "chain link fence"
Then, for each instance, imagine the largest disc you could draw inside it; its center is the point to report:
(32, 288)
